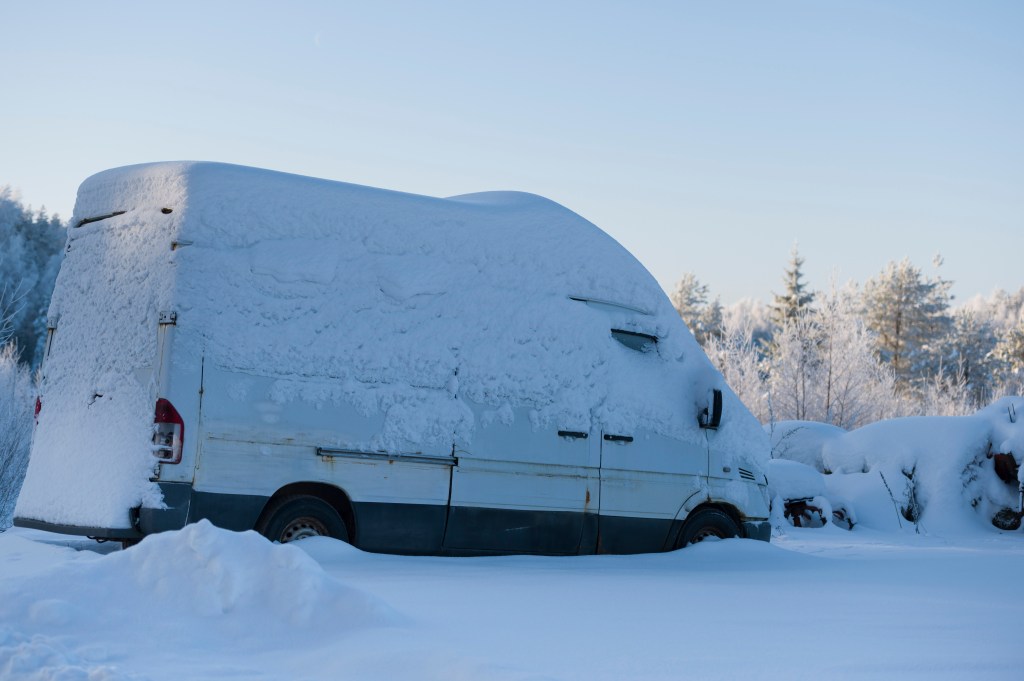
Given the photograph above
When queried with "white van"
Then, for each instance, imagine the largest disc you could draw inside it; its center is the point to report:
(484, 373)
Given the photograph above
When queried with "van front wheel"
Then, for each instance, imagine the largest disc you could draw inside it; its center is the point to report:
(299, 516)
(705, 524)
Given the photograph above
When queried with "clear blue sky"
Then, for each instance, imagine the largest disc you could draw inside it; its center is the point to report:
(704, 136)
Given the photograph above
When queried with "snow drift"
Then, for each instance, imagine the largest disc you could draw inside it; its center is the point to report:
(258, 595)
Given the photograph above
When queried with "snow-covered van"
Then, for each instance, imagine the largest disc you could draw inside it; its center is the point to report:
(483, 373)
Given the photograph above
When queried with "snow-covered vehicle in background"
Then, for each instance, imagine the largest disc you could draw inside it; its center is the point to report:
(485, 373)
(948, 473)
(798, 492)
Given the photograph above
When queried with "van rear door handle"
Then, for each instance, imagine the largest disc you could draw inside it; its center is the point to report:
(575, 434)
(618, 438)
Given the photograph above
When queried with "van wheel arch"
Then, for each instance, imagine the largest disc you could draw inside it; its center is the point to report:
(707, 520)
(329, 494)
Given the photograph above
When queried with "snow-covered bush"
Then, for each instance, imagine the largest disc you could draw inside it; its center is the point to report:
(16, 404)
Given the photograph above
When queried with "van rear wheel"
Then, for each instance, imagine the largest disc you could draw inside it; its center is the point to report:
(707, 523)
(298, 516)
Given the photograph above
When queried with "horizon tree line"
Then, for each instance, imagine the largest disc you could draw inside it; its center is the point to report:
(852, 355)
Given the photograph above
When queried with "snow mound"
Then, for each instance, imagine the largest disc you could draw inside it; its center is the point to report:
(932, 473)
(215, 572)
(198, 580)
(802, 441)
(793, 480)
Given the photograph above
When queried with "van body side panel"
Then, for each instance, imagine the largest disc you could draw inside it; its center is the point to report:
(620, 534)
(520, 486)
(734, 477)
(643, 483)
(399, 527)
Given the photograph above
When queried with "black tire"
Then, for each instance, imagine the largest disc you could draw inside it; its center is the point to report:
(299, 516)
(705, 523)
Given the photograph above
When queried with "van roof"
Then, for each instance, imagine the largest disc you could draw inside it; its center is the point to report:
(122, 188)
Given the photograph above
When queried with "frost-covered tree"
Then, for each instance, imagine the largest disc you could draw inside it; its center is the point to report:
(970, 363)
(822, 367)
(855, 388)
(909, 315)
(10, 307)
(796, 298)
(753, 315)
(794, 369)
(31, 246)
(1004, 310)
(690, 298)
(16, 403)
(1009, 352)
(736, 354)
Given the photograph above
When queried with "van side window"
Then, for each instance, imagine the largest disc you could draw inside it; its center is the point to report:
(641, 342)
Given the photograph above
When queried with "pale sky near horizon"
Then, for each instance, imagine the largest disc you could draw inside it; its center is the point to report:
(704, 136)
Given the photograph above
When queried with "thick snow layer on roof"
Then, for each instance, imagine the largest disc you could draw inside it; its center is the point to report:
(412, 307)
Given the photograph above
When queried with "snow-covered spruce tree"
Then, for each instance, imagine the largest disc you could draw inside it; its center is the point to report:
(796, 298)
(690, 298)
(909, 315)
(16, 404)
(31, 246)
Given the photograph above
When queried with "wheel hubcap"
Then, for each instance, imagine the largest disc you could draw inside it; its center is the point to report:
(301, 528)
(705, 533)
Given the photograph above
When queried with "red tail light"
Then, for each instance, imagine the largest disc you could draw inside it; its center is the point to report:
(39, 408)
(168, 432)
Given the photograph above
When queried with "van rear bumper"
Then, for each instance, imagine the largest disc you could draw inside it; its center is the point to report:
(177, 499)
(182, 505)
(114, 533)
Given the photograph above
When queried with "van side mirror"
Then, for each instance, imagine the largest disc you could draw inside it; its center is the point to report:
(711, 416)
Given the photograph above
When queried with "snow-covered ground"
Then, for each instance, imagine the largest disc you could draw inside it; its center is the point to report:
(204, 603)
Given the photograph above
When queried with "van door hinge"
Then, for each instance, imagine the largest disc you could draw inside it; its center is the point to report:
(168, 318)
